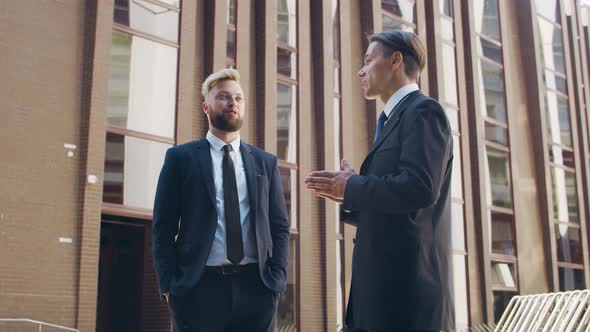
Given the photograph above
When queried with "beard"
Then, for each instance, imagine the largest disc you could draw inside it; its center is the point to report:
(219, 121)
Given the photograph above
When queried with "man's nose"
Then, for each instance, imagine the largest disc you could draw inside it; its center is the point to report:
(361, 72)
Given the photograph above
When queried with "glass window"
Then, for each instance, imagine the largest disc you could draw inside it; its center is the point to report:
(503, 240)
(453, 116)
(389, 23)
(447, 29)
(549, 9)
(503, 275)
(492, 83)
(499, 178)
(555, 81)
(286, 62)
(449, 75)
(132, 167)
(446, 7)
(401, 8)
(558, 119)
(487, 19)
(457, 174)
(490, 50)
(571, 279)
(231, 17)
(569, 244)
(458, 228)
(501, 301)
(565, 197)
(286, 313)
(552, 50)
(231, 44)
(460, 289)
(561, 156)
(142, 85)
(496, 134)
(145, 16)
(289, 183)
(286, 123)
(287, 22)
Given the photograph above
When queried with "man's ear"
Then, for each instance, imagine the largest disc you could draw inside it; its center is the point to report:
(205, 107)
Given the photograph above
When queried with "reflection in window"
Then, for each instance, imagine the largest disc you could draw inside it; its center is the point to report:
(132, 167)
(487, 19)
(499, 178)
(145, 16)
(565, 197)
(495, 133)
(231, 34)
(403, 9)
(491, 50)
(503, 275)
(501, 300)
(503, 241)
(142, 85)
(287, 22)
(569, 244)
(289, 183)
(286, 123)
(286, 62)
(493, 86)
(571, 279)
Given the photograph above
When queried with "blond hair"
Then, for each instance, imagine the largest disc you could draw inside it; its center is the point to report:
(220, 75)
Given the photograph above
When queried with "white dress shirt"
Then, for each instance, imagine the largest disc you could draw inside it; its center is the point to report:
(218, 254)
(397, 97)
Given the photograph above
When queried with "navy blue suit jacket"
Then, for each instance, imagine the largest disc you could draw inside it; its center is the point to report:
(400, 203)
(185, 216)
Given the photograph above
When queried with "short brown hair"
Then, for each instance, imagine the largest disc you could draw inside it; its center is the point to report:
(408, 44)
(220, 75)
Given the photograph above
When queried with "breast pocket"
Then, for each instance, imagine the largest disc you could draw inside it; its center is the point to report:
(386, 160)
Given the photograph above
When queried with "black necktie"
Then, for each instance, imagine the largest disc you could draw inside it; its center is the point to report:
(233, 227)
(380, 124)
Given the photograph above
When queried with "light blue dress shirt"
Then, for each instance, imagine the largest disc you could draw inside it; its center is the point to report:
(218, 254)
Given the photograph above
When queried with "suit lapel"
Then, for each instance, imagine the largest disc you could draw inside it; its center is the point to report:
(206, 163)
(390, 125)
(250, 168)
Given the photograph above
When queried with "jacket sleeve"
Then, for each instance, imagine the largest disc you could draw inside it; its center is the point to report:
(165, 220)
(425, 151)
(279, 223)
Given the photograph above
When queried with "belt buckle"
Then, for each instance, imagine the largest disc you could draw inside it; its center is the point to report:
(229, 269)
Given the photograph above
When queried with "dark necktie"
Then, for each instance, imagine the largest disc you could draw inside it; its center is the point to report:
(380, 124)
(233, 227)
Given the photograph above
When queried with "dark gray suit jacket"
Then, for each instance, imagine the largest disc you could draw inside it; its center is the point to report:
(400, 203)
(185, 206)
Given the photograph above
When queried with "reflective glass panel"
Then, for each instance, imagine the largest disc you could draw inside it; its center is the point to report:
(132, 168)
(496, 134)
(447, 30)
(287, 27)
(503, 239)
(231, 44)
(286, 312)
(148, 17)
(286, 123)
(565, 196)
(286, 62)
(503, 275)
(456, 175)
(569, 244)
(446, 7)
(552, 46)
(402, 8)
(389, 23)
(289, 183)
(571, 279)
(549, 9)
(490, 50)
(142, 85)
(555, 81)
(498, 173)
(501, 300)
(231, 15)
(557, 114)
(561, 156)
(492, 83)
(460, 288)
(449, 74)
(458, 228)
(487, 19)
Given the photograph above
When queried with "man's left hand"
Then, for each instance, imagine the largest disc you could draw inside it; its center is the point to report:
(330, 184)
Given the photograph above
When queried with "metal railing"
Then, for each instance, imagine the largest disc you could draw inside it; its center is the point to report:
(40, 324)
(560, 312)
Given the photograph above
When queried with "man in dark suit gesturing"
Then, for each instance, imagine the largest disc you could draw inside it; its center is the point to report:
(400, 202)
(220, 228)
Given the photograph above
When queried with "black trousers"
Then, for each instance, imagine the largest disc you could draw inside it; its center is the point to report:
(226, 303)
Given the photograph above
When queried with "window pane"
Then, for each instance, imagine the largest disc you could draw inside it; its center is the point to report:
(501, 300)
(287, 29)
(447, 29)
(453, 116)
(460, 290)
(569, 244)
(401, 8)
(446, 7)
(457, 174)
(336, 29)
(286, 312)
(503, 275)
(392, 24)
(492, 83)
(498, 178)
(231, 44)
(142, 85)
(231, 15)
(549, 9)
(555, 82)
(565, 196)
(487, 20)
(571, 279)
(497, 134)
(503, 239)
(490, 50)
(561, 156)
(286, 63)
(551, 46)
(449, 75)
(286, 123)
(132, 167)
(558, 119)
(458, 228)
(289, 183)
(147, 17)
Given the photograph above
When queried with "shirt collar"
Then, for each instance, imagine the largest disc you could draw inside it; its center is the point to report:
(218, 144)
(398, 96)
